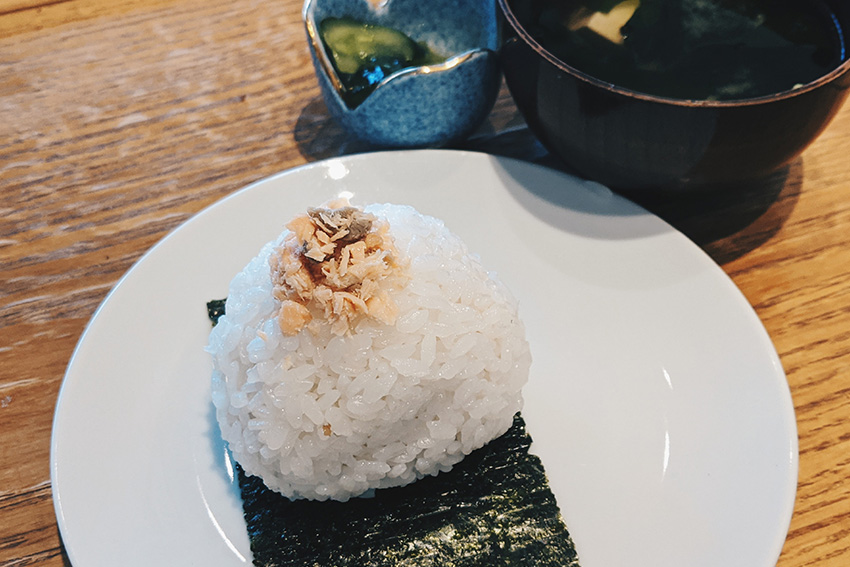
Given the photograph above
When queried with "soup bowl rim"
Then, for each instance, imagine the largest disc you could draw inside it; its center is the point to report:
(560, 64)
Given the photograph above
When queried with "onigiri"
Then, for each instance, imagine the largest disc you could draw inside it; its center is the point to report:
(364, 348)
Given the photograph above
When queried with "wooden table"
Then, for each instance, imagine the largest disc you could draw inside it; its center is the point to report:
(120, 120)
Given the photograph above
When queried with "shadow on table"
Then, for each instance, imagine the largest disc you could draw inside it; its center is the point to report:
(727, 224)
(62, 553)
(319, 137)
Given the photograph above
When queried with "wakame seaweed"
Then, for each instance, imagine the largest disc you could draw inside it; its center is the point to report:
(492, 509)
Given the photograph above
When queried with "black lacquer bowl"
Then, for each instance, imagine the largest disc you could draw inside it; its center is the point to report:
(635, 142)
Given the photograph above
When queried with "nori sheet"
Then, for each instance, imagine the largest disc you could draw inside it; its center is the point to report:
(492, 509)
(215, 309)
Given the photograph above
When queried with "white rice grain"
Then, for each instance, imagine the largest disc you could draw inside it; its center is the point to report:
(323, 416)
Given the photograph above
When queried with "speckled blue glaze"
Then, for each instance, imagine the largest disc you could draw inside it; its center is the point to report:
(412, 108)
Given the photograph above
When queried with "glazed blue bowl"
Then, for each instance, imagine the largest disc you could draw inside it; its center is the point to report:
(431, 105)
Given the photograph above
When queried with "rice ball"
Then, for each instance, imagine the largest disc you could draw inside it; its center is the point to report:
(328, 386)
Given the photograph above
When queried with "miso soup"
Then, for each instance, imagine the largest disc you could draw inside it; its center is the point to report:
(691, 49)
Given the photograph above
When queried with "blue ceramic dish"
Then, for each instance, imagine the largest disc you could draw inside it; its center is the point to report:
(431, 105)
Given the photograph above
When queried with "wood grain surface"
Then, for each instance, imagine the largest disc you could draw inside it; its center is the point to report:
(120, 120)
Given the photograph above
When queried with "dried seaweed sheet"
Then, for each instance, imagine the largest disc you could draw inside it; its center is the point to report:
(215, 309)
(494, 508)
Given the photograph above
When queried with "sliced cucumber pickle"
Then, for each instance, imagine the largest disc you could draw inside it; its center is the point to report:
(364, 54)
(352, 44)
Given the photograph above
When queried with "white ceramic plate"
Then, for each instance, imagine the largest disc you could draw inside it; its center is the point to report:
(656, 402)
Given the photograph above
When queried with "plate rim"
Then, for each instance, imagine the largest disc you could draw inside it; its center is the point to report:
(456, 154)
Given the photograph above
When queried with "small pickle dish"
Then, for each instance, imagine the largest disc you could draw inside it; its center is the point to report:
(405, 73)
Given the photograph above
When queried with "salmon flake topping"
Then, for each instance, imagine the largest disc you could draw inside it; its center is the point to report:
(338, 263)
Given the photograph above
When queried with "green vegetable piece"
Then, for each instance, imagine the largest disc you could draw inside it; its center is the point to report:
(365, 54)
(353, 45)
